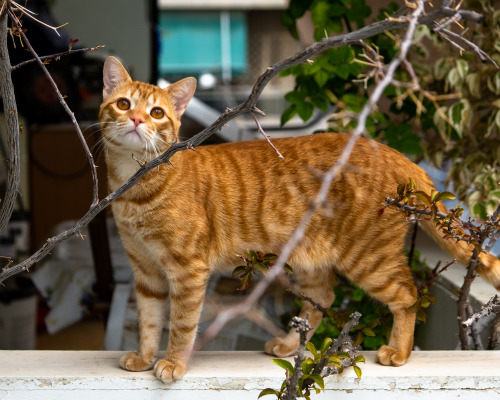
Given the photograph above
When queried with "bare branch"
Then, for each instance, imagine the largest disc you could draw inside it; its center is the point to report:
(12, 124)
(492, 306)
(265, 134)
(57, 56)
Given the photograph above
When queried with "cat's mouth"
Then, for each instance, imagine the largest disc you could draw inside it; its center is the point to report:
(134, 136)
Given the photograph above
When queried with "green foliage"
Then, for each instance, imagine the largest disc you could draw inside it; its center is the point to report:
(255, 262)
(453, 115)
(309, 377)
(374, 327)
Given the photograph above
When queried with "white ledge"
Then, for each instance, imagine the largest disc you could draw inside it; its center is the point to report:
(242, 375)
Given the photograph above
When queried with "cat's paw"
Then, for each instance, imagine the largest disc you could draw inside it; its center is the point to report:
(132, 362)
(167, 371)
(281, 347)
(391, 356)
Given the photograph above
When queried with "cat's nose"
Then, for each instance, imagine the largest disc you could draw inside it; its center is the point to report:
(137, 119)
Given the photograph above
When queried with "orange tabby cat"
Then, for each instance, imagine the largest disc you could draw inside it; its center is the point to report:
(181, 222)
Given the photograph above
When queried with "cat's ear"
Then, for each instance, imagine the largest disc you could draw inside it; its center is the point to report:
(181, 93)
(114, 74)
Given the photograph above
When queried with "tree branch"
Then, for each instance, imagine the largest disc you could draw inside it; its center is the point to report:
(57, 56)
(12, 125)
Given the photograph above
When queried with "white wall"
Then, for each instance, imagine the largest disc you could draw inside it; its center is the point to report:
(121, 25)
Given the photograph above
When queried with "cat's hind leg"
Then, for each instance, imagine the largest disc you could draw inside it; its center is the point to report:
(151, 309)
(318, 286)
(384, 275)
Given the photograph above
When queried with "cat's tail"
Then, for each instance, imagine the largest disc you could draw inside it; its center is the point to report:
(489, 268)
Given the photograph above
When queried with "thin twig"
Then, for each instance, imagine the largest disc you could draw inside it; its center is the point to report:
(57, 56)
(264, 134)
(492, 306)
(31, 14)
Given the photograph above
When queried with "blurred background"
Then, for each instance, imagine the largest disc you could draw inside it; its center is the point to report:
(226, 45)
(81, 296)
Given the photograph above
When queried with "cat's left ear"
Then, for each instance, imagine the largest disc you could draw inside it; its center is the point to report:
(181, 93)
(114, 74)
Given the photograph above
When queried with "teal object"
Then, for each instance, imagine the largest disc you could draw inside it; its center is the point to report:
(203, 42)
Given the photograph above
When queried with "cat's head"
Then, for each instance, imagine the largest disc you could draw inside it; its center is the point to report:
(139, 118)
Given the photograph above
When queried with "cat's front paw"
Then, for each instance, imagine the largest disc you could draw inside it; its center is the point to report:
(281, 347)
(132, 362)
(391, 356)
(167, 371)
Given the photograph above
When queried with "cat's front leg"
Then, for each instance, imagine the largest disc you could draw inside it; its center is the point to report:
(187, 294)
(151, 310)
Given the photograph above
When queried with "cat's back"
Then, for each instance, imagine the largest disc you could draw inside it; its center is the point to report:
(319, 151)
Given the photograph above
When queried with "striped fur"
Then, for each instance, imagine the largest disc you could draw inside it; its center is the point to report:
(181, 222)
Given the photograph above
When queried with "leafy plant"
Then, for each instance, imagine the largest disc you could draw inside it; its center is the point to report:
(447, 112)
(255, 262)
(308, 373)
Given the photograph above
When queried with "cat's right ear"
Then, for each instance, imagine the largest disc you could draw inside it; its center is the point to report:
(114, 74)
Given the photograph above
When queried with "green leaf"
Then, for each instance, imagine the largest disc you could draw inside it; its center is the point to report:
(359, 358)
(368, 332)
(326, 345)
(319, 380)
(357, 370)
(295, 97)
(260, 267)
(434, 195)
(320, 14)
(359, 339)
(335, 359)
(307, 366)
(321, 77)
(446, 196)
(246, 280)
(288, 114)
(358, 294)
(267, 392)
(305, 111)
(421, 316)
(238, 270)
(423, 196)
(283, 364)
(479, 210)
(312, 348)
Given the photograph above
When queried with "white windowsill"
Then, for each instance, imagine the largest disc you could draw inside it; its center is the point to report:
(242, 375)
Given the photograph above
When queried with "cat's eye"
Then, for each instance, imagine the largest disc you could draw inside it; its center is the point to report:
(123, 104)
(157, 113)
